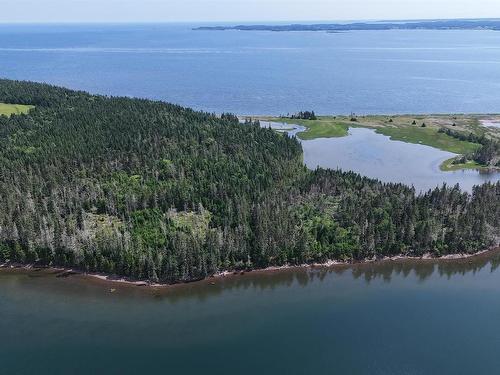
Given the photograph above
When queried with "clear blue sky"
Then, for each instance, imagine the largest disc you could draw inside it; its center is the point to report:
(239, 10)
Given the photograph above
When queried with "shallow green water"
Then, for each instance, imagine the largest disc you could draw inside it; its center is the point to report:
(390, 318)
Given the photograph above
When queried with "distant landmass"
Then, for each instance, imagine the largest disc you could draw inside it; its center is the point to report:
(462, 24)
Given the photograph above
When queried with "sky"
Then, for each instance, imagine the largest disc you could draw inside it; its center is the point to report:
(13, 11)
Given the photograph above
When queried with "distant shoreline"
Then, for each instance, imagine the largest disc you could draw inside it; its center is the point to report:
(114, 280)
(439, 25)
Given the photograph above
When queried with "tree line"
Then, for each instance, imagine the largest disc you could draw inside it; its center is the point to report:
(302, 115)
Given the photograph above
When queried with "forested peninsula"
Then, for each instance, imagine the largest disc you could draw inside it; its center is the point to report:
(157, 192)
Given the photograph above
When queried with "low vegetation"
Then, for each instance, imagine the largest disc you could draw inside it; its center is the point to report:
(428, 136)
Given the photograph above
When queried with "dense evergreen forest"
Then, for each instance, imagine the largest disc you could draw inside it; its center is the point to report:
(155, 191)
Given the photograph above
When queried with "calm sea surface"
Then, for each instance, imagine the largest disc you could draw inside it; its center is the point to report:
(390, 318)
(265, 72)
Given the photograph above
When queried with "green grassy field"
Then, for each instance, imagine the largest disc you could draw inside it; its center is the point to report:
(14, 109)
(323, 129)
(430, 137)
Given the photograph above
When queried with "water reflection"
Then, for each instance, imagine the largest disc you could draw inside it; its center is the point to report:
(386, 271)
(424, 269)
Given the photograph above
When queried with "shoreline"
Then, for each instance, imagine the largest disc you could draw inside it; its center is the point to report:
(114, 280)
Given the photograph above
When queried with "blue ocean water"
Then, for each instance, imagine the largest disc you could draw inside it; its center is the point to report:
(389, 318)
(264, 72)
